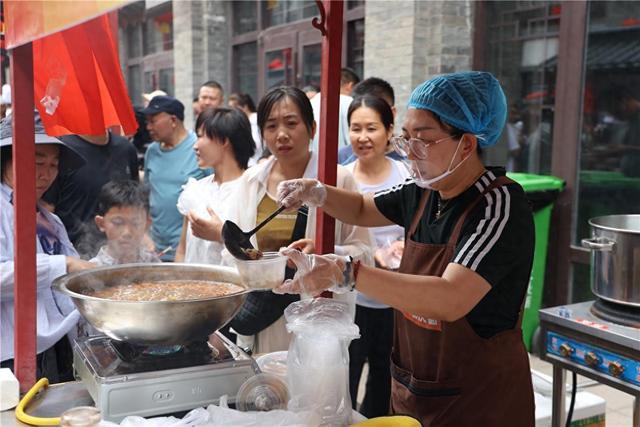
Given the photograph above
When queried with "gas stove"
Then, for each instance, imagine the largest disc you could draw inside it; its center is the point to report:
(599, 340)
(125, 379)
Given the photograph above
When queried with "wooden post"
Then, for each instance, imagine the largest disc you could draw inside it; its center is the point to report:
(566, 146)
(24, 211)
(331, 22)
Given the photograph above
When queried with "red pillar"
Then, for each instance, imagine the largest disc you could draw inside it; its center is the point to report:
(329, 115)
(24, 202)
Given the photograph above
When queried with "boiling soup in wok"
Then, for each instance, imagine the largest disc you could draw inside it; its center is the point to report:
(167, 290)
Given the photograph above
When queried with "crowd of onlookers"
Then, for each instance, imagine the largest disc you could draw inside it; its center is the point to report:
(101, 203)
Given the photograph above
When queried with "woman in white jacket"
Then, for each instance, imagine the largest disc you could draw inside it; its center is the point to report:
(286, 123)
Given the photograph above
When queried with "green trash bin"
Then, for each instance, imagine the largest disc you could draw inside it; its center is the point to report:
(542, 191)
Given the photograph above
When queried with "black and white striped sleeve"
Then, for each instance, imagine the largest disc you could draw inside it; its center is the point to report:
(498, 236)
(395, 202)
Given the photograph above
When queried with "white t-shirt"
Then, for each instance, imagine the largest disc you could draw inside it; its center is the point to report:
(343, 125)
(257, 139)
(513, 130)
(196, 196)
(389, 233)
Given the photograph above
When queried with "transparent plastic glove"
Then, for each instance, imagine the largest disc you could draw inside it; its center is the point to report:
(315, 273)
(297, 192)
(390, 255)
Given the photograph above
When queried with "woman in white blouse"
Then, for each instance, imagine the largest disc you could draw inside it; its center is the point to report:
(224, 144)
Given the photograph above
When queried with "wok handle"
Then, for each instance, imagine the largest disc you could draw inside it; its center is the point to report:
(598, 244)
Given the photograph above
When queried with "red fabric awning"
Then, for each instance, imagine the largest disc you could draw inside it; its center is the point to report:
(78, 83)
(29, 20)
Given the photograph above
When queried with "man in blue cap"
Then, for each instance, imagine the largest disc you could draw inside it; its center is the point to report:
(168, 163)
(458, 358)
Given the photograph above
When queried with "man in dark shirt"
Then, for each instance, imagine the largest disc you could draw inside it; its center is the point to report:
(74, 194)
(491, 242)
(458, 358)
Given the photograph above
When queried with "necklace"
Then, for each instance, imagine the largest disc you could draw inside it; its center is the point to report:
(441, 204)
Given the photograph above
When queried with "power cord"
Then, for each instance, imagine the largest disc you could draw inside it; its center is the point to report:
(574, 380)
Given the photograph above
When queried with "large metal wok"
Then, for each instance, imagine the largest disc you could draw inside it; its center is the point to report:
(152, 322)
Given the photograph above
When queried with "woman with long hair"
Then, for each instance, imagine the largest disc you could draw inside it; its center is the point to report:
(370, 130)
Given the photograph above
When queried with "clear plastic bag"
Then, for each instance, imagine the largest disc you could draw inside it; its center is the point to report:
(318, 358)
(222, 416)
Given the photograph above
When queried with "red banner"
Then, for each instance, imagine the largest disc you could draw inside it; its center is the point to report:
(78, 83)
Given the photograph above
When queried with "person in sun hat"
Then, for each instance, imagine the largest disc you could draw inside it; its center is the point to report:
(458, 358)
(56, 256)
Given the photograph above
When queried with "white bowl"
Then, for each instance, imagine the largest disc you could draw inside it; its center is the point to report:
(264, 273)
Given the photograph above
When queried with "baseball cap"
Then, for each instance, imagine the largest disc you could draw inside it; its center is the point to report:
(165, 104)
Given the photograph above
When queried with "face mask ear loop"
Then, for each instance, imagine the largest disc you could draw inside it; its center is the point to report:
(454, 156)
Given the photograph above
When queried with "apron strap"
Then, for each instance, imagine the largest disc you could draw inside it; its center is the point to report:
(419, 212)
(498, 182)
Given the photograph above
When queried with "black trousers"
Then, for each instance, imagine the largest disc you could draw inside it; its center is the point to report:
(374, 346)
(55, 363)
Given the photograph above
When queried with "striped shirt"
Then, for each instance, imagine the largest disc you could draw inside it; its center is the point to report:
(496, 242)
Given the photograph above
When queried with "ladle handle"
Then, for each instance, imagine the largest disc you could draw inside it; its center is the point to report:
(266, 220)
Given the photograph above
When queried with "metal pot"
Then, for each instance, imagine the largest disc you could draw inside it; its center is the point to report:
(152, 322)
(615, 258)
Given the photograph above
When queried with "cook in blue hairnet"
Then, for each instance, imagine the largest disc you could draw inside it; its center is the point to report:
(458, 356)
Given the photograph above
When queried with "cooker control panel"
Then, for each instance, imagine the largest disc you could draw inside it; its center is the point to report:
(622, 367)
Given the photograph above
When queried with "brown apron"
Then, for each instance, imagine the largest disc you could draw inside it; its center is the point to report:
(443, 373)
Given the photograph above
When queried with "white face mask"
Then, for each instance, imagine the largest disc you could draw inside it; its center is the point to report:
(419, 170)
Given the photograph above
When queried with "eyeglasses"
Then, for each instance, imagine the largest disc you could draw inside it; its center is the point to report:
(415, 146)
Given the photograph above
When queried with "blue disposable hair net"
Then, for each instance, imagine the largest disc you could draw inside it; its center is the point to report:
(470, 101)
